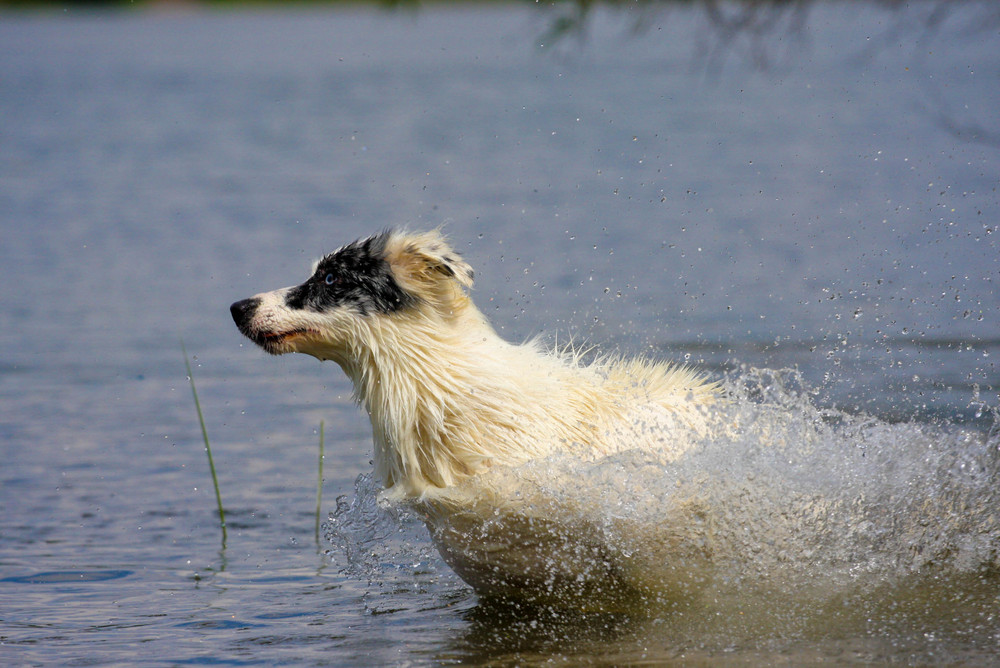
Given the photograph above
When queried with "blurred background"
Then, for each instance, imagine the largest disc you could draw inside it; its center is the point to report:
(789, 185)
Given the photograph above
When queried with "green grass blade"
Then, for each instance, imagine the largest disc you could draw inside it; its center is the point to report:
(208, 446)
(319, 483)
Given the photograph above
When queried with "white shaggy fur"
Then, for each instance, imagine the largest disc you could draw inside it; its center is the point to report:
(450, 400)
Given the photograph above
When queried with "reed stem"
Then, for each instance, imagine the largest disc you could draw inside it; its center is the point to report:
(208, 446)
(319, 483)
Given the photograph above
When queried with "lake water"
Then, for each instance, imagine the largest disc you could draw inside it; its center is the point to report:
(821, 196)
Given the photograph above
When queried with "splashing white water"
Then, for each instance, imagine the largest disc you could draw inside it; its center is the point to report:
(784, 497)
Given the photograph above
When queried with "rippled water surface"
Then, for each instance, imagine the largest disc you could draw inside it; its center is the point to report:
(809, 212)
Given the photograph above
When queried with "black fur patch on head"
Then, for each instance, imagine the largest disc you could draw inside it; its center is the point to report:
(357, 275)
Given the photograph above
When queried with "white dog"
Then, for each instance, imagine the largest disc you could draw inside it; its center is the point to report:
(456, 410)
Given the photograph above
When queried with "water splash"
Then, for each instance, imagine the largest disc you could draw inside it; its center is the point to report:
(785, 497)
(386, 545)
(823, 495)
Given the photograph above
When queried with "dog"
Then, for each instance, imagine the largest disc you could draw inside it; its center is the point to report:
(455, 408)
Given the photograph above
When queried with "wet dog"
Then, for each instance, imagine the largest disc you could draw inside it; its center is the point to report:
(450, 401)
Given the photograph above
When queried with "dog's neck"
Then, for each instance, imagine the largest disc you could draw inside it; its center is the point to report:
(446, 402)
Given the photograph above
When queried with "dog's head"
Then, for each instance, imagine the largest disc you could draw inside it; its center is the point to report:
(389, 275)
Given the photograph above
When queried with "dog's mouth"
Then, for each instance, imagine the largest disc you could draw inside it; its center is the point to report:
(277, 343)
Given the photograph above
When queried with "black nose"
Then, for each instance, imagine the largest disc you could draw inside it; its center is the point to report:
(243, 310)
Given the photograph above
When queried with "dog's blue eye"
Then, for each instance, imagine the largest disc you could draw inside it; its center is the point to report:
(330, 279)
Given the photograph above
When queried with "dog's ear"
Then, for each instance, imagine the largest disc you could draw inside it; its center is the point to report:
(427, 267)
